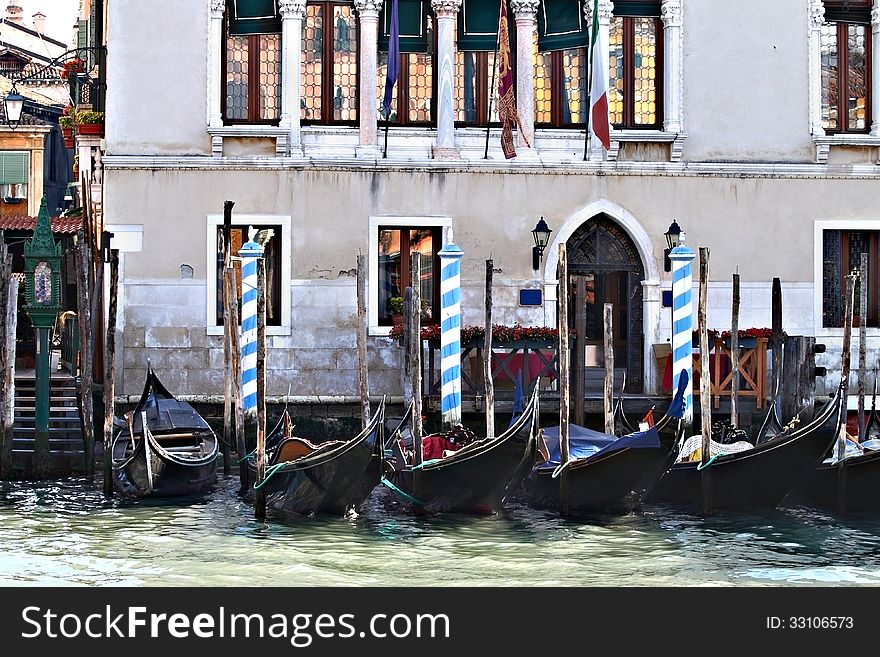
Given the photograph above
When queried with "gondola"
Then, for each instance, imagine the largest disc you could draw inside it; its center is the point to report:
(604, 473)
(332, 477)
(757, 478)
(849, 485)
(179, 455)
(475, 479)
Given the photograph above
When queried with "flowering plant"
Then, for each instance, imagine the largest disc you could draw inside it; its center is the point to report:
(714, 334)
(500, 332)
(88, 116)
(68, 117)
(74, 65)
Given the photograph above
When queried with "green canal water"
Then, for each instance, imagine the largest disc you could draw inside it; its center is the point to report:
(65, 533)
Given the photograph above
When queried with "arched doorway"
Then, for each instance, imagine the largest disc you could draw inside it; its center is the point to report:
(604, 266)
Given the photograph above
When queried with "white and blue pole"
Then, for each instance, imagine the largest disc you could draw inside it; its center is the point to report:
(249, 253)
(682, 324)
(450, 331)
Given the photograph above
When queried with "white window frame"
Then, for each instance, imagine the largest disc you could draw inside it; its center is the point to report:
(818, 301)
(821, 141)
(373, 259)
(212, 223)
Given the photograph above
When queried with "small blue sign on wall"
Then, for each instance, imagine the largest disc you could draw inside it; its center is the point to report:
(530, 297)
(666, 300)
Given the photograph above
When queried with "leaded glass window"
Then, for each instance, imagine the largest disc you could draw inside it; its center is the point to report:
(329, 76)
(841, 254)
(253, 78)
(845, 55)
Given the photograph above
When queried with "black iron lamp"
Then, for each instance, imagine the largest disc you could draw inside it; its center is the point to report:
(541, 233)
(674, 237)
(13, 105)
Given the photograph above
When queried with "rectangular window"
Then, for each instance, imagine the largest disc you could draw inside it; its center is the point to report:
(252, 65)
(413, 89)
(561, 94)
(475, 87)
(845, 54)
(634, 67)
(329, 63)
(841, 253)
(396, 244)
(271, 254)
(14, 170)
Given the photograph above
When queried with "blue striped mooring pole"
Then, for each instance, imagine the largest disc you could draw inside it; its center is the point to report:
(682, 324)
(249, 253)
(450, 331)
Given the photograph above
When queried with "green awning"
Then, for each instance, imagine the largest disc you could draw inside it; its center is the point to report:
(561, 25)
(412, 22)
(13, 167)
(636, 8)
(851, 15)
(478, 25)
(253, 17)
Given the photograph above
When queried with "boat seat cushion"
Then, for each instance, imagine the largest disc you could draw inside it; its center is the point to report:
(294, 448)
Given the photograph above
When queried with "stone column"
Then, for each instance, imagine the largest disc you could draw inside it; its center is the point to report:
(606, 8)
(368, 15)
(875, 69)
(292, 12)
(670, 14)
(215, 52)
(816, 19)
(525, 12)
(444, 69)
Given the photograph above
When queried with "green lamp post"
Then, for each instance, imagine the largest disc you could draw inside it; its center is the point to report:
(42, 264)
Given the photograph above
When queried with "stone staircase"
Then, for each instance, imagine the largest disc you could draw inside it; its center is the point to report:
(66, 453)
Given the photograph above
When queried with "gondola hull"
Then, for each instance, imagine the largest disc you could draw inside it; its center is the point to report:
(615, 483)
(756, 479)
(178, 457)
(478, 478)
(332, 481)
(849, 488)
(163, 478)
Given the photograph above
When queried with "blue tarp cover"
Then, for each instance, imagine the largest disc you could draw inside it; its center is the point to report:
(584, 443)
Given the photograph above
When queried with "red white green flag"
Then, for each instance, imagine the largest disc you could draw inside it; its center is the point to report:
(599, 82)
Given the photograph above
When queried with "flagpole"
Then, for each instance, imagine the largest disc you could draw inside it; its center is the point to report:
(387, 121)
(492, 87)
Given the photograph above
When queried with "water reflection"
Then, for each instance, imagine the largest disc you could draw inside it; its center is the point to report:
(66, 533)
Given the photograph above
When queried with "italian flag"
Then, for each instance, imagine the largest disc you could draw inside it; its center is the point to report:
(599, 82)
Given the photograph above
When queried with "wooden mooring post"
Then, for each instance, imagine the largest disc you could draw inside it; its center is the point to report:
(776, 335)
(415, 358)
(564, 382)
(7, 363)
(110, 375)
(863, 342)
(705, 383)
(363, 371)
(86, 357)
(260, 493)
(845, 363)
(608, 348)
(578, 365)
(734, 353)
(487, 354)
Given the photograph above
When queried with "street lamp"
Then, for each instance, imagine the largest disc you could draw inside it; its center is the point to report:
(541, 233)
(674, 237)
(13, 104)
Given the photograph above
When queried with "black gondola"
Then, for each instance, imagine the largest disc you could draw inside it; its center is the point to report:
(331, 477)
(475, 479)
(605, 473)
(178, 457)
(754, 479)
(847, 486)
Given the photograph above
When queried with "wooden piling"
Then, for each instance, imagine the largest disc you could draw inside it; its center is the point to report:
(415, 357)
(705, 381)
(564, 382)
(7, 365)
(83, 281)
(845, 362)
(228, 354)
(608, 348)
(233, 363)
(363, 375)
(863, 342)
(487, 355)
(734, 354)
(798, 376)
(110, 374)
(260, 493)
(407, 346)
(578, 391)
(776, 334)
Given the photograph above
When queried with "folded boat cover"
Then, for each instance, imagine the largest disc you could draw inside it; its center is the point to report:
(585, 443)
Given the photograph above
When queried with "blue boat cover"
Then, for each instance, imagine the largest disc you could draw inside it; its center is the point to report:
(585, 443)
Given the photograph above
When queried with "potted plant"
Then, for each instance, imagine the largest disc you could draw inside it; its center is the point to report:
(395, 305)
(66, 122)
(72, 67)
(89, 122)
